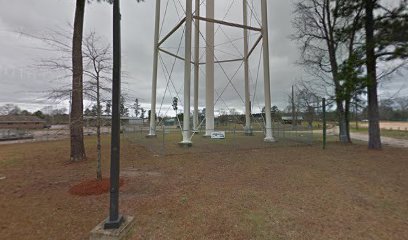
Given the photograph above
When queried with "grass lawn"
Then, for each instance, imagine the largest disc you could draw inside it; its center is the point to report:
(282, 192)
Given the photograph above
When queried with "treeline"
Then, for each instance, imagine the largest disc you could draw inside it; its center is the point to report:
(50, 115)
(394, 109)
(346, 48)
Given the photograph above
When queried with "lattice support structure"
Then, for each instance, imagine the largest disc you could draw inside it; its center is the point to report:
(209, 64)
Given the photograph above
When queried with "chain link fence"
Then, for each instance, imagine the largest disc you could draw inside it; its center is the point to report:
(166, 141)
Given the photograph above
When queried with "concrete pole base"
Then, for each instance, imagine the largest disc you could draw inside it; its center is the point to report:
(208, 133)
(185, 144)
(121, 233)
(248, 131)
(269, 139)
(151, 136)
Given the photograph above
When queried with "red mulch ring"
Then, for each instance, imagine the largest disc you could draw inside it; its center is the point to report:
(93, 187)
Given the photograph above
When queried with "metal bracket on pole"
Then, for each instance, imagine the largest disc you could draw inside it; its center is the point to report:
(172, 31)
(172, 54)
(254, 46)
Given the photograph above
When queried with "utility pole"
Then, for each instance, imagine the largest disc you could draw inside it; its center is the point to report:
(115, 220)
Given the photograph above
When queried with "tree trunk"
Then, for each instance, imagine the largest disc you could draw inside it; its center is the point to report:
(98, 130)
(76, 119)
(374, 139)
(343, 134)
(341, 115)
(347, 119)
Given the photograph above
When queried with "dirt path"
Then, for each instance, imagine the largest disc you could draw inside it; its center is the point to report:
(385, 140)
(394, 142)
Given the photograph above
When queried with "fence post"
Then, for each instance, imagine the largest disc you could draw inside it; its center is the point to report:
(324, 123)
(163, 147)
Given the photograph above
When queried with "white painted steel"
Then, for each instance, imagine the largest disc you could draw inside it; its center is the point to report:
(248, 129)
(196, 64)
(209, 100)
(187, 74)
(267, 80)
(152, 130)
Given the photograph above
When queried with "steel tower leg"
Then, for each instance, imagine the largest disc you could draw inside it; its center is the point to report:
(248, 129)
(152, 130)
(196, 64)
(187, 75)
(267, 80)
(209, 106)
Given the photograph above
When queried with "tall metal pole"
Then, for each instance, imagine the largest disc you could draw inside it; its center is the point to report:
(267, 80)
(187, 74)
(196, 64)
(248, 130)
(152, 131)
(115, 220)
(209, 98)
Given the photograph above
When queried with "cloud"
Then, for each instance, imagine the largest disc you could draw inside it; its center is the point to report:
(25, 85)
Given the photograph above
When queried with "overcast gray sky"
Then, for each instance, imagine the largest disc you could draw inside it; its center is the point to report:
(23, 85)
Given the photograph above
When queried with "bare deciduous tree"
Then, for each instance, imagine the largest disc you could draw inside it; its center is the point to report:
(316, 23)
(97, 71)
(9, 109)
(76, 126)
(308, 102)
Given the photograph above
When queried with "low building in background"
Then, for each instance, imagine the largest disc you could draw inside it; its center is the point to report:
(90, 121)
(288, 120)
(21, 122)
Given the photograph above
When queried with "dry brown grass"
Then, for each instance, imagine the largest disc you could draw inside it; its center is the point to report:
(346, 192)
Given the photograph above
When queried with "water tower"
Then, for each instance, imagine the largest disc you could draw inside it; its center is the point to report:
(193, 60)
